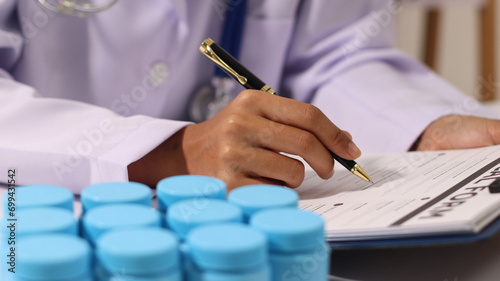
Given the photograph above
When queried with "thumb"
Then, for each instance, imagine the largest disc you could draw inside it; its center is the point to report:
(344, 139)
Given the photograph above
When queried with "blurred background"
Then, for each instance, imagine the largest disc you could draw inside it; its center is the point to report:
(459, 39)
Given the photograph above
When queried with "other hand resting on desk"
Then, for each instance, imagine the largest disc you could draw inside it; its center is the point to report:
(459, 131)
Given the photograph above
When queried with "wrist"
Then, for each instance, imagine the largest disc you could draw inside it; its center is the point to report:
(167, 159)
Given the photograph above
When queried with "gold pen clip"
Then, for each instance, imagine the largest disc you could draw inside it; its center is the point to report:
(207, 51)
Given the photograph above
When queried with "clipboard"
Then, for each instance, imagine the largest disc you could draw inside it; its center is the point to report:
(441, 198)
(424, 241)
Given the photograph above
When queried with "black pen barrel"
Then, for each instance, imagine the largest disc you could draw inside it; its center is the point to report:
(349, 164)
(253, 82)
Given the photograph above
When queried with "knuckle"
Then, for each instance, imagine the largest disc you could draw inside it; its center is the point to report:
(245, 99)
(230, 155)
(305, 141)
(338, 137)
(296, 174)
(233, 125)
(326, 172)
(347, 134)
(494, 130)
(311, 114)
(495, 133)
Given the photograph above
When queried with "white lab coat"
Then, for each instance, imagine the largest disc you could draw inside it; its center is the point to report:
(80, 99)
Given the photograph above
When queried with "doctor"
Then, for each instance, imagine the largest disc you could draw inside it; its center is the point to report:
(105, 95)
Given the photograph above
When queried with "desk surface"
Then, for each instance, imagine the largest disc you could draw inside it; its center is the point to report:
(475, 262)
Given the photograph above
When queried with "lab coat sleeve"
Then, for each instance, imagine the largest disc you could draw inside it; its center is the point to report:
(63, 142)
(343, 61)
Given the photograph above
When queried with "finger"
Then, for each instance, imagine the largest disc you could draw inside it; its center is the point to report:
(347, 134)
(493, 128)
(252, 162)
(300, 115)
(292, 140)
(275, 167)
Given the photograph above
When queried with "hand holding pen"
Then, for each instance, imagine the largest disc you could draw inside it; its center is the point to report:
(248, 80)
(241, 144)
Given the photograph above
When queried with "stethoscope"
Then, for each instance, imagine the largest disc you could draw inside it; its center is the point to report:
(75, 7)
(208, 99)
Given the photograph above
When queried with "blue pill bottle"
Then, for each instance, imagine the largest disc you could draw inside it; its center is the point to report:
(107, 193)
(101, 194)
(297, 247)
(31, 222)
(193, 187)
(177, 188)
(254, 198)
(227, 252)
(187, 215)
(26, 197)
(52, 257)
(35, 221)
(32, 196)
(146, 254)
(100, 220)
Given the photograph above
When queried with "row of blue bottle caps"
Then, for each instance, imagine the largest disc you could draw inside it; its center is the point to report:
(195, 233)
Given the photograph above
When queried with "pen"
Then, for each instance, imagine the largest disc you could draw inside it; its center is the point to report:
(248, 80)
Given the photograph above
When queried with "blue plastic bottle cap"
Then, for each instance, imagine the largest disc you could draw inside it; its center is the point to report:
(115, 192)
(51, 257)
(186, 215)
(227, 247)
(117, 216)
(290, 229)
(254, 198)
(45, 220)
(177, 188)
(138, 251)
(43, 196)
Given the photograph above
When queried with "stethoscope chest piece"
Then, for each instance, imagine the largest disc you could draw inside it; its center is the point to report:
(80, 8)
(210, 98)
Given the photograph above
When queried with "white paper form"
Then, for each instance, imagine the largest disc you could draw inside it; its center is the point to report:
(414, 194)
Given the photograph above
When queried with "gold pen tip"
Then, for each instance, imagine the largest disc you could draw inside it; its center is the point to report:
(358, 171)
